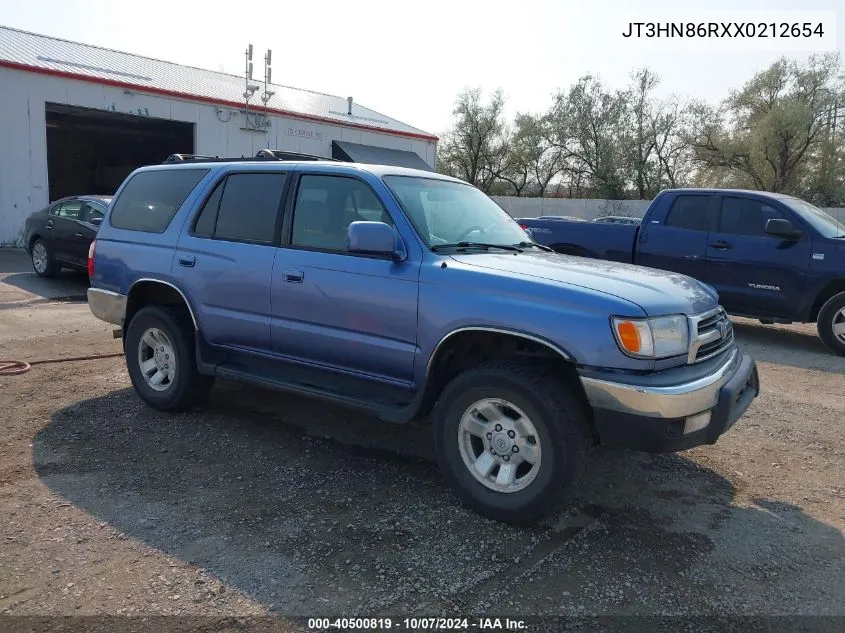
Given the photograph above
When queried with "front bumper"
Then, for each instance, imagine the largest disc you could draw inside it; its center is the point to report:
(106, 305)
(669, 411)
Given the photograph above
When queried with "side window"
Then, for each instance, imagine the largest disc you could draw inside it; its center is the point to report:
(204, 226)
(744, 216)
(243, 208)
(72, 210)
(689, 212)
(150, 199)
(327, 205)
(95, 211)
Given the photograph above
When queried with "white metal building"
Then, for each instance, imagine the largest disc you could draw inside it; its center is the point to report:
(78, 118)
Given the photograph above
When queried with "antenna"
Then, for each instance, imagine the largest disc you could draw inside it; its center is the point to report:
(265, 97)
(249, 90)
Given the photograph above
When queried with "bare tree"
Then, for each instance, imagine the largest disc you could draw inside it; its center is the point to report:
(475, 147)
(639, 120)
(670, 127)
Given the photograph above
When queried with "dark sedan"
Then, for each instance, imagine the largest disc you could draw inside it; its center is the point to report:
(59, 235)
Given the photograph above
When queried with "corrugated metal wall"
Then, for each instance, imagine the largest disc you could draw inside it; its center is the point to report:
(23, 144)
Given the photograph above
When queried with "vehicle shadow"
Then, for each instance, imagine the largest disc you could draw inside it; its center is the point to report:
(14, 260)
(787, 345)
(68, 285)
(16, 271)
(352, 517)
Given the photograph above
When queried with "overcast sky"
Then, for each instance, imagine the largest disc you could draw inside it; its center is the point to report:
(409, 59)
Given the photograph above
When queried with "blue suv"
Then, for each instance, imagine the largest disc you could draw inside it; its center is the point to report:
(411, 295)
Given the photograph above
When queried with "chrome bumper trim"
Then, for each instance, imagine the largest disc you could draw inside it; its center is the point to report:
(106, 305)
(671, 402)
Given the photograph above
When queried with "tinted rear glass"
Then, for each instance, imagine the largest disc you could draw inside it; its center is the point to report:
(249, 207)
(744, 216)
(689, 212)
(150, 199)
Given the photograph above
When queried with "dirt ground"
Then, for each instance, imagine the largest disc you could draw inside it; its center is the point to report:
(261, 503)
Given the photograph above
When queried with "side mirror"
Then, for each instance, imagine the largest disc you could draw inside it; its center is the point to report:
(373, 238)
(782, 228)
(96, 221)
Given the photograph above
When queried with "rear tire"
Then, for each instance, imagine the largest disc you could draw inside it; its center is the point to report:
(42, 259)
(160, 357)
(504, 404)
(831, 324)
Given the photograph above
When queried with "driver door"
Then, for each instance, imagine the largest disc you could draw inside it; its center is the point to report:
(346, 311)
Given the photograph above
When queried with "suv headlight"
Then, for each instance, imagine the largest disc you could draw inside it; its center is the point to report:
(660, 337)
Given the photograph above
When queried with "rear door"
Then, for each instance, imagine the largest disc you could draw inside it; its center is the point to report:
(85, 230)
(755, 273)
(674, 235)
(224, 258)
(63, 225)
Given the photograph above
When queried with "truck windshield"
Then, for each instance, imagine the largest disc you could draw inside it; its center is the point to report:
(447, 213)
(820, 220)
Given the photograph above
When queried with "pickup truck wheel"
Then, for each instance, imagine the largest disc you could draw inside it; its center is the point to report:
(509, 439)
(160, 358)
(42, 259)
(831, 324)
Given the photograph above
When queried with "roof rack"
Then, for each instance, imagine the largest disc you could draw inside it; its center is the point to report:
(284, 155)
(263, 154)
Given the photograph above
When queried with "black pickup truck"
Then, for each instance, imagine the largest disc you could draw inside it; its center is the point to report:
(771, 257)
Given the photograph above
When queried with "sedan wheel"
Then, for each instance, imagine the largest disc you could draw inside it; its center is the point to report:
(42, 260)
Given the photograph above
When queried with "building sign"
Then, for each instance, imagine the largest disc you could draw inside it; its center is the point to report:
(306, 134)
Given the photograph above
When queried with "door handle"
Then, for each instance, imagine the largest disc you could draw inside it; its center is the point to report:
(49, 225)
(187, 260)
(721, 245)
(78, 235)
(293, 276)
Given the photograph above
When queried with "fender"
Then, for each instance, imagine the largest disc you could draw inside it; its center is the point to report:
(530, 337)
(176, 288)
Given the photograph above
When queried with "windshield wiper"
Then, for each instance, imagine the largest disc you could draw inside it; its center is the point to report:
(540, 246)
(504, 247)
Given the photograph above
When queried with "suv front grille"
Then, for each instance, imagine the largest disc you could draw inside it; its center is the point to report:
(711, 333)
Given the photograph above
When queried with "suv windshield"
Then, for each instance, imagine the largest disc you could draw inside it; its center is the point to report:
(449, 213)
(820, 220)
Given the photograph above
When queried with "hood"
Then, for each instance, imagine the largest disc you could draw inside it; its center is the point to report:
(657, 292)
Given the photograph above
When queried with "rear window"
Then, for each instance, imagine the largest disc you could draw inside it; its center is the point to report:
(689, 212)
(150, 199)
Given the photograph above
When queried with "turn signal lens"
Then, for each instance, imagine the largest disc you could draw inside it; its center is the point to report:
(658, 337)
(629, 337)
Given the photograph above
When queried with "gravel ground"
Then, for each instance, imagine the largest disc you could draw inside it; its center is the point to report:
(266, 504)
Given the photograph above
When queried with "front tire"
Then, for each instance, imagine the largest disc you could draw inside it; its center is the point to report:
(42, 259)
(510, 439)
(160, 358)
(831, 324)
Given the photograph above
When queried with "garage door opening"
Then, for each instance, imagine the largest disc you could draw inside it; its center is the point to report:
(92, 151)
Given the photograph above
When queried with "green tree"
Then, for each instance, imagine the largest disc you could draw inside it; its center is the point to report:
(767, 134)
(533, 160)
